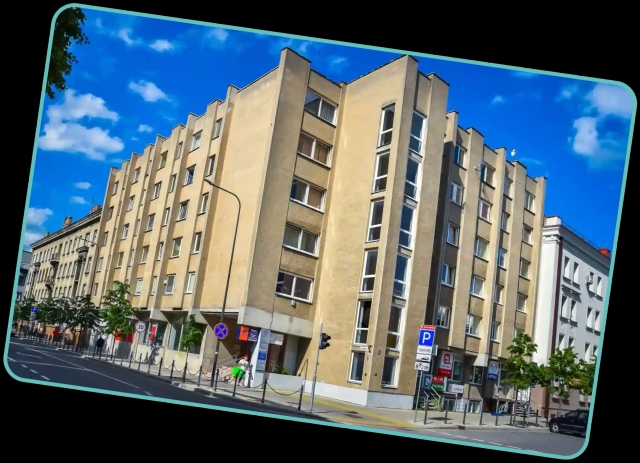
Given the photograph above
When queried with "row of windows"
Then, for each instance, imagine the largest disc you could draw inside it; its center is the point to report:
(594, 283)
(590, 351)
(569, 311)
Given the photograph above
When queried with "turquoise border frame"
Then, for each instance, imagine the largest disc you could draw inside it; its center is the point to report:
(332, 42)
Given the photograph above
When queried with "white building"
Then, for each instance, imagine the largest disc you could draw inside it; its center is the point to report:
(25, 263)
(573, 281)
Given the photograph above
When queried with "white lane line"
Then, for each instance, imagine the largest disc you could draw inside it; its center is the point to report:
(92, 371)
(10, 359)
(493, 443)
(477, 440)
(446, 433)
(24, 366)
(28, 355)
(512, 447)
(461, 437)
(44, 377)
(148, 393)
(54, 365)
(33, 371)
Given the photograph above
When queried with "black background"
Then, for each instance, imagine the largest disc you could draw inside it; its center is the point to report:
(588, 40)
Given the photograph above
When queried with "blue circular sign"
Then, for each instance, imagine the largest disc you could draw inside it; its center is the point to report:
(221, 331)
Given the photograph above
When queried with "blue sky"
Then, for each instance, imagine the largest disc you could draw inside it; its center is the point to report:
(140, 77)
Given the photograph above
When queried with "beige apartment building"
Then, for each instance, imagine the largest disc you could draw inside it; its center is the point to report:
(62, 263)
(345, 199)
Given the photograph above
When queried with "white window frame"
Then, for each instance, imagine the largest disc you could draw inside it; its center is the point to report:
(132, 201)
(314, 144)
(151, 220)
(119, 261)
(137, 229)
(184, 205)
(323, 101)
(144, 255)
(293, 287)
(170, 288)
(487, 174)
(217, 128)
(301, 232)
(360, 311)
(529, 202)
(136, 175)
(394, 382)
(365, 276)
(172, 183)
(179, 150)
(154, 286)
(477, 286)
(456, 231)
(599, 286)
(373, 227)
(408, 184)
(377, 177)
(139, 286)
(459, 155)
(506, 189)
(132, 255)
(211, 164)
(197, 243)
(481, 203)
(125, 231)
(403, 283)
(498, 294)
(196, 140)
(476, 250)
(522, 306)
(528, 268)
(115, 188)
(448, 272)
(160, 250)
(494, 335)
(576, 272)
(173, 247)
(529, 231)
(167, 217)
(474, 375)
(189, 169)
(163, 160)
(597, 321)
(156, 190)
(420, 139)
(468, 329)
(351, 363)
(573, 311)
(396, 334)
(390, 108)
(502, 258)
(454, 189)
(411, 231)
(308, 187)
(445, 312)
(504, 221)
(143, 196)
(191, 282)
(204, 203)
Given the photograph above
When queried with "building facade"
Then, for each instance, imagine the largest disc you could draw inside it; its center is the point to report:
(340, 186)
(571, 302)
(25, 264)
(62, 264)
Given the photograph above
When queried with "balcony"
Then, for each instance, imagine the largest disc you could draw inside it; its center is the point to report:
(82, 252)
(36, 265)
(54, 259)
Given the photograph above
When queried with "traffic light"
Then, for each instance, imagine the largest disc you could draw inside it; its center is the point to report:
(324, 340)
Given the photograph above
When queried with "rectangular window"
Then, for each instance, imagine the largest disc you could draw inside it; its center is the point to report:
(417, 133)
(448, 275)
(166, 217)
(527, 234)
(189, 175)
(177, 246)
(171, 283)
(381, 172)
(139, 282)
(362, 322)
(125, 231)
(495, 331)
(524, 268)
(389, 371)
(195, 142)
(160, 250)
(576, 272)
(502, 258)
(144, 255)
(443, 318)
(571, 342)
(529, 202)
(487, 173)
(476, 376)
(564, 312)
(172, 182)
(306, 194)
(137, 229)
(204, 202)
(356, 369)
(163, 160)
(110, 213)
(197, 240)
(191, 281)
(131, 257)
(400, 278)
(217, 128)
(211, 165)
(386, 125)
(507, 186)
(393, 329)
(574, 310)
(179, 151)
(156, 190)
(136, 175)
(456, 193)
(100, 261)
(481, 248)
(521, 302)
(477, 286)
(154, 286)
(183, 210)
(294, 286)
(300, 239)
(453, 234)
(105, 241)
(472, 327)
(312, 148)
(95, 289)
(369, 270)
(596, 322)
(503, 376)
(459, 153)
(412, 179)
(406, 226)
(497, 297)
(375, 221)
(132, 200)
(484, 210)
(320, 107)
(142, 196)
(150, 222)
(589, 317)
(115, 188)
(504, 222)
(120, 259)
(599, 287)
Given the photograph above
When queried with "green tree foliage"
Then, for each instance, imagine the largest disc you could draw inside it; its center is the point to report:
(62, 312)
(67, 31)
(117, 311)
(22, 310)
(46, 311)
(522, 372)
(586, 376)
(85, 316)
(191, 335)
(563, 373)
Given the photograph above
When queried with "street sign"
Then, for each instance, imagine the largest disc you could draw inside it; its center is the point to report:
(140, 327)
(423, 358)
(424, 350)
(221, 330)
(422, 366)
(427, 335)
(34, 309)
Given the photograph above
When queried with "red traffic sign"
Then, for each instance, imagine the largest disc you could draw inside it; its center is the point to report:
(221, 330)
(428, 327)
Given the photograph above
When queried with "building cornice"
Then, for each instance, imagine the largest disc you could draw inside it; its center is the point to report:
(69, 229)
(577, 246)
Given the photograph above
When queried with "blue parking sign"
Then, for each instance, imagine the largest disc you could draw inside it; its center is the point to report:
(427, 335)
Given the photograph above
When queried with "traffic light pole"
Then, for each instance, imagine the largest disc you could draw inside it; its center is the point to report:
(315, 371)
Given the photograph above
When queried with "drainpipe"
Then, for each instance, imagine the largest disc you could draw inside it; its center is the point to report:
(555, 314)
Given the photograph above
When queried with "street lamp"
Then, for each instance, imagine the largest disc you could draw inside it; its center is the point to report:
(226, 289)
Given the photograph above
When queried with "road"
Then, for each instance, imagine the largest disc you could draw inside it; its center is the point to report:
(34, 361)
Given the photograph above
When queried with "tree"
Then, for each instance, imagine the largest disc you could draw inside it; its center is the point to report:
(46, 312)
(563, 373)
(191, 335)
(117, 311)
(586, 376)
(22, 310)
(522, 372)
(86, 316)
(67, 30)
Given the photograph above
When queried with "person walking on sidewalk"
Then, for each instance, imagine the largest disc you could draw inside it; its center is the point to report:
(99, 345)
(243, 363)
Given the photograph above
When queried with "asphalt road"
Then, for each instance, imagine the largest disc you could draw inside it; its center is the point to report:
(34, 361)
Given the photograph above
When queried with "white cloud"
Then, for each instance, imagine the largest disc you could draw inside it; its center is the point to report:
(145, 128)
(531, 161)
(78, 200)
(599, 149)
(148, 91)
(82, 185)
(31, 237)
(217, 34)
(135, 138)
(567, 92)
(162, 45)
(125, 36)
(524, 74)
(64, 133)
(611, 100)
(37, 217)
(304, 47)
(498, 99)
(338, 62)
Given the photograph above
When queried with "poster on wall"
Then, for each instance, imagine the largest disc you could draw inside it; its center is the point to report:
(263, 348)
(246, 333)
(493, 371)
(437, 383)
(446, 365)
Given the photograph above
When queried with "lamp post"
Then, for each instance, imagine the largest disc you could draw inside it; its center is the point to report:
(226, 289)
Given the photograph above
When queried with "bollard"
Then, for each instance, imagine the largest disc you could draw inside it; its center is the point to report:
(235, 384)
(215, 378)
(264, 390)
(481, 410)
(300, 399)
(537, 414)
(512, 420)
(139, 361)
(199, 375)
(160, 365)
(464, 415)
(497, 412)
(113, 357)
(446, 412)
(130, 359)
(426, 409)
(121, 358)
(184, 373)
(173, 363)
(149, 367)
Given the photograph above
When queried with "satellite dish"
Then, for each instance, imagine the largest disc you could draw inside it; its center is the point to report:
(513, 152)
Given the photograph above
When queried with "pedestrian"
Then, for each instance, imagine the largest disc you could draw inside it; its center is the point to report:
(99, 345)
(243, 363)
(55, 335)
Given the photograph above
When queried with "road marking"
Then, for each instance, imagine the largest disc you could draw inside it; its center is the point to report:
(512, 447)
(93, 371)
(43, 376)
(477, 440)
(54, 365)
(33, 371)
(10, 359)
(24, 366)
(148, 393)
(461, 437)
(357, 422)
(446, 433)
(493, 443)
(28, 355)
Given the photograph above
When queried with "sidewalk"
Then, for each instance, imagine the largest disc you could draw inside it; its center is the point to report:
(334, 410)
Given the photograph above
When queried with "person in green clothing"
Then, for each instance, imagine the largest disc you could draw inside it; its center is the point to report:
(239, 370)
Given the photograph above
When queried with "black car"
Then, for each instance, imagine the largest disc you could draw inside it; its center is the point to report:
(574, 422)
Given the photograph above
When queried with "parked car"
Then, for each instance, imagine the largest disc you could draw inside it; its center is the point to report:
(574, 422)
